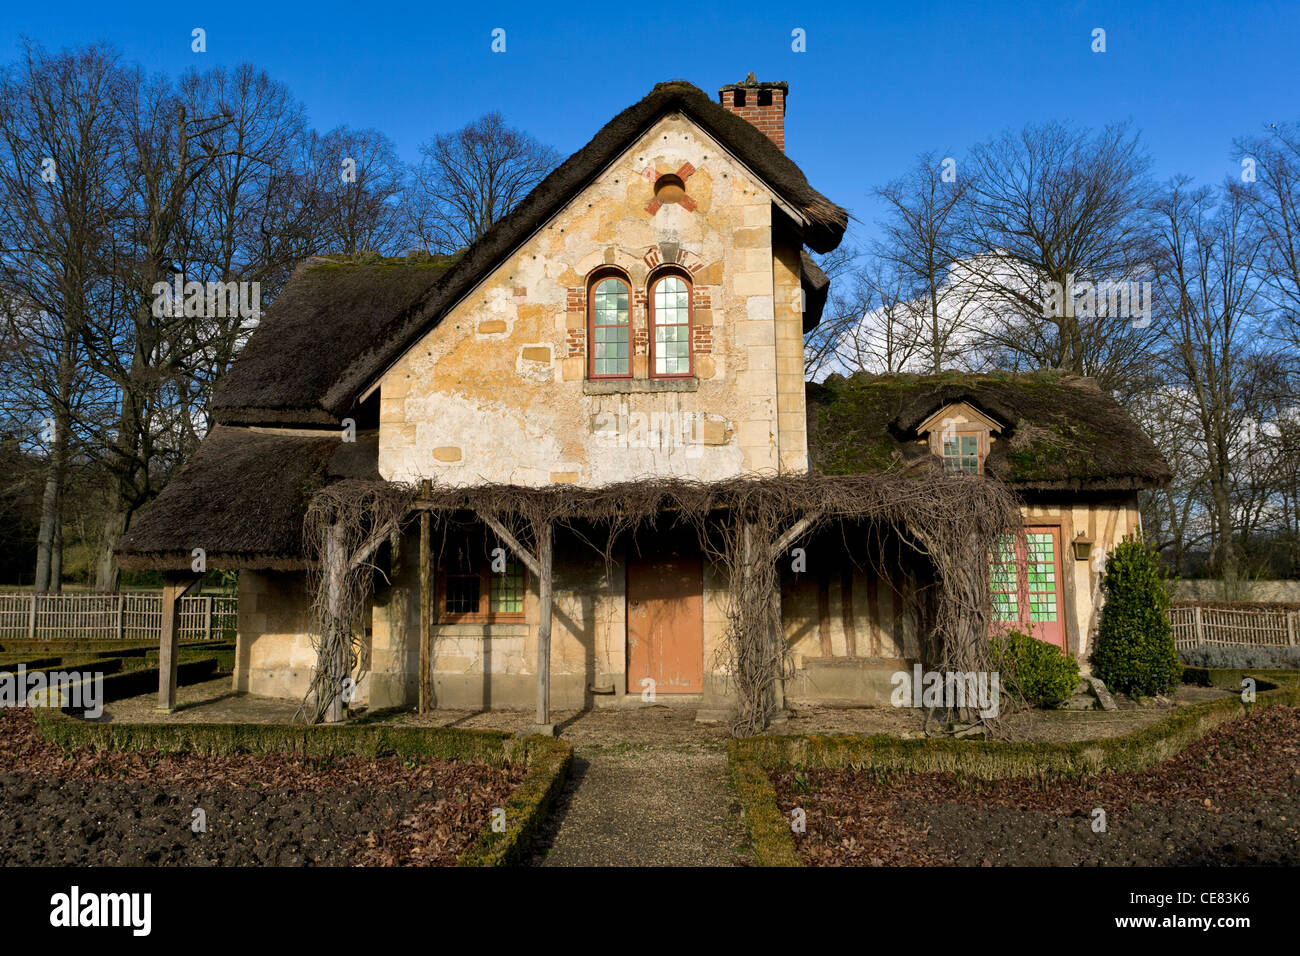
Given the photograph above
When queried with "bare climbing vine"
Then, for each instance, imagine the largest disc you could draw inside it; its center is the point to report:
(741, 524)
(346, 522)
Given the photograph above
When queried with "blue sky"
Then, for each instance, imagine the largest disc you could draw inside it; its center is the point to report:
(879, 83)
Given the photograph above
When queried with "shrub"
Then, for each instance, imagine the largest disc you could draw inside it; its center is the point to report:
(1042, 673)
(1135, 651)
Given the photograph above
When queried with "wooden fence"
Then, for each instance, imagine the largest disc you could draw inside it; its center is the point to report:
(1231, 627)
(112, 617)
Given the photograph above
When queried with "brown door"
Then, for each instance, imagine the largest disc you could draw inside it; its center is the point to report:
(665, 624)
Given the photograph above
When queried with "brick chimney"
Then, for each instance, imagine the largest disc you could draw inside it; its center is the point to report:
(763, 104)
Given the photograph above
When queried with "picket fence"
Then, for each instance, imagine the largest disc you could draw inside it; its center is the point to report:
(112, 617)
(1233, 627)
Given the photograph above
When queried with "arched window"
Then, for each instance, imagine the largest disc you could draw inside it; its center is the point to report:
(608, 330)
(670, 327)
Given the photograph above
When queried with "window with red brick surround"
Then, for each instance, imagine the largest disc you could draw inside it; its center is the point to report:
(670, 323)
(609, 325)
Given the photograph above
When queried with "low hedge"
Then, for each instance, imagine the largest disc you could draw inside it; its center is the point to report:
(749, 758)
(548, 760)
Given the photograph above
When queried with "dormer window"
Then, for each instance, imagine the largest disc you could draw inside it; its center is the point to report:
(960, 435)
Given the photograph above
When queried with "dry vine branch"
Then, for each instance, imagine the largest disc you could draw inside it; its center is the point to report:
(951, 522)
(346, 522)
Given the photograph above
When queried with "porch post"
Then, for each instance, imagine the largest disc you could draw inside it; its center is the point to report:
(545, 549)
(176, 584)
(426, 612)
(336, 664)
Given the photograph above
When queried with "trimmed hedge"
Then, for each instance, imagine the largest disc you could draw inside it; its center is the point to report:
(769, 830)
(1043, 674)
(770, 833)
(1134, 652)
(548, 760)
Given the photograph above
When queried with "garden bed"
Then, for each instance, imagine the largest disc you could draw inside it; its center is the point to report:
(78, 792)
(896, 801)
(1232, 797)
(131, 808)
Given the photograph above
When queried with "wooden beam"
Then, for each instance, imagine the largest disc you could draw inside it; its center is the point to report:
(176, 584)
(335, 581)
(522, 553)
(546, 549)
(792, 535)
(824, 612)
(846, 611)
(426, 611)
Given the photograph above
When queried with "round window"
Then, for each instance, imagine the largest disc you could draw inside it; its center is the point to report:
(669, 188)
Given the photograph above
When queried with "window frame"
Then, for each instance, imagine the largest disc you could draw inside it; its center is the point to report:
(652, 282)
(595, 279)
(485, 574)
(981, 444)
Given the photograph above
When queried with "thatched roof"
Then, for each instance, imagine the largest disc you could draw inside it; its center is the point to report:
(242, 498)
(328, 313)
(1061, 432)
(329, 335)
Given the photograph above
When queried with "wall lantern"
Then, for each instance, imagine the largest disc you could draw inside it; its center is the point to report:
(1082, 547)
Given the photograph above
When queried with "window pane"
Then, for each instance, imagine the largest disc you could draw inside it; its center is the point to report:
(609, 309)
(506, 590)
(672, 326)
(462, 595)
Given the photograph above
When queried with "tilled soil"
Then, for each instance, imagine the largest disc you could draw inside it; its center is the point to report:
(1232, 798)
(104, 808)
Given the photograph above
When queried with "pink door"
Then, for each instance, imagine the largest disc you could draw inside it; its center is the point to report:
(1025, 578)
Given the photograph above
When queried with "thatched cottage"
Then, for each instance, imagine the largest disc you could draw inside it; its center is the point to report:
(613, 473)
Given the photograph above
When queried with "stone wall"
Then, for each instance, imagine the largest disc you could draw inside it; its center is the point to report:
(499, 390)
(273, 656)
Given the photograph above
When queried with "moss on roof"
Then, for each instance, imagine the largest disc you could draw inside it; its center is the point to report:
(1060, 432)
(328, 313)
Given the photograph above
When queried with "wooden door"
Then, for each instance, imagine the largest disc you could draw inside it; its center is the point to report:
(1042, 576)
(665, 624)
(1027, 587)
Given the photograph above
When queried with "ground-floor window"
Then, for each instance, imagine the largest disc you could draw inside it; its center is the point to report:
(479, 580)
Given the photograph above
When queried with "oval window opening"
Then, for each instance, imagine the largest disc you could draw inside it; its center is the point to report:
(669, 188)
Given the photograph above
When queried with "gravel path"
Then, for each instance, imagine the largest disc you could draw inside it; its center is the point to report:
(645, 806)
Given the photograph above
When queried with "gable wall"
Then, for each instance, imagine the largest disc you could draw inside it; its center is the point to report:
(497, 392)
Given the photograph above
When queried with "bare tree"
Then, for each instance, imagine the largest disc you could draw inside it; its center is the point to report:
(58, 137)
(1208, 285)
(1050, 207)
(469, 179)
(1273, 196)
(920, 246)
(357, 183)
